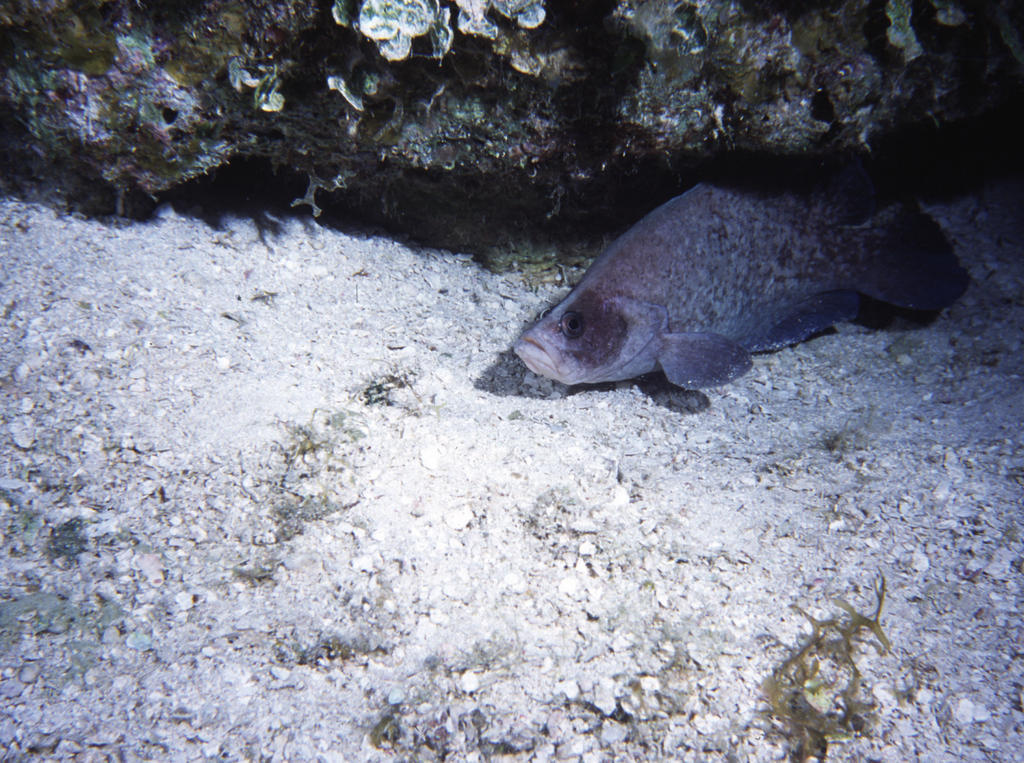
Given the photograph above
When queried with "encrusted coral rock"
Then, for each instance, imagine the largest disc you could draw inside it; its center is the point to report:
(529, 14)
(900, 32)
(473, 19)
(393, 24)
(463, 119)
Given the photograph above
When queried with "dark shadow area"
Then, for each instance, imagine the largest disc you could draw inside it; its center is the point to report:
(254, 189)
(499, 220)
(506, 377)
(925, 161)
(507, 220)
(662, 392)
(881, 316)
(269, 196)
(243, 188)
(934, 163)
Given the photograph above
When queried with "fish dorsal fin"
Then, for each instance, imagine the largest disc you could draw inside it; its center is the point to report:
(850, 196)
(694, 360)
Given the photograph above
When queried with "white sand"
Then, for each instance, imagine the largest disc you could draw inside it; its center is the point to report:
(270, 567)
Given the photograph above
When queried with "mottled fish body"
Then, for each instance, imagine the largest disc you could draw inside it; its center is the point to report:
(719, 273)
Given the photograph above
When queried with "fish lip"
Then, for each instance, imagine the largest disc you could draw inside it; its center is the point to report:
(537, 358)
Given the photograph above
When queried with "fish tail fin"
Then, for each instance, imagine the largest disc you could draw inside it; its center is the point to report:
(908, 262)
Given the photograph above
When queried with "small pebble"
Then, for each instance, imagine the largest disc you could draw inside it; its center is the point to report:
(707, 724)
(30, 365)
(29, 673)
(363, 563)
(613, 733)
(297, 561)
(569, 586)
(514, 583)
(650, 684)
(584, 525)
(430, 457)
(139, 641)
(620, 498)
(570, 689)
(967, 711)
(10, 689)
(920, 561)
(604, 696)
(459, 517)
(152, 567)
(22, 432)
(438, 616)
(470, 681)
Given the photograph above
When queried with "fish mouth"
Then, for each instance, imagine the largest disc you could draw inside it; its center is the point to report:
(537, 358)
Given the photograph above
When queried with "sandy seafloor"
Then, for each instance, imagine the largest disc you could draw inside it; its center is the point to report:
(271, 491)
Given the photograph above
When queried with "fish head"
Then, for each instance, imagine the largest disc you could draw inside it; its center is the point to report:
(588, 339)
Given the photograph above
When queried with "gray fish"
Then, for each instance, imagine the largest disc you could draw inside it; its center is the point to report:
(719, 273)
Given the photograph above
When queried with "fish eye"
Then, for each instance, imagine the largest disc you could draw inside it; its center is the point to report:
(571, 324)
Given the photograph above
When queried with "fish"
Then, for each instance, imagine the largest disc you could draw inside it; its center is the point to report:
(722, 272)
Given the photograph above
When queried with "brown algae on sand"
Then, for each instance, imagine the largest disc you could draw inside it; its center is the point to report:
(815, 695)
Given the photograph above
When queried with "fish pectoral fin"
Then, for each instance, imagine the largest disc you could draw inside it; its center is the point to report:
(695, 360)
(813, 314)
